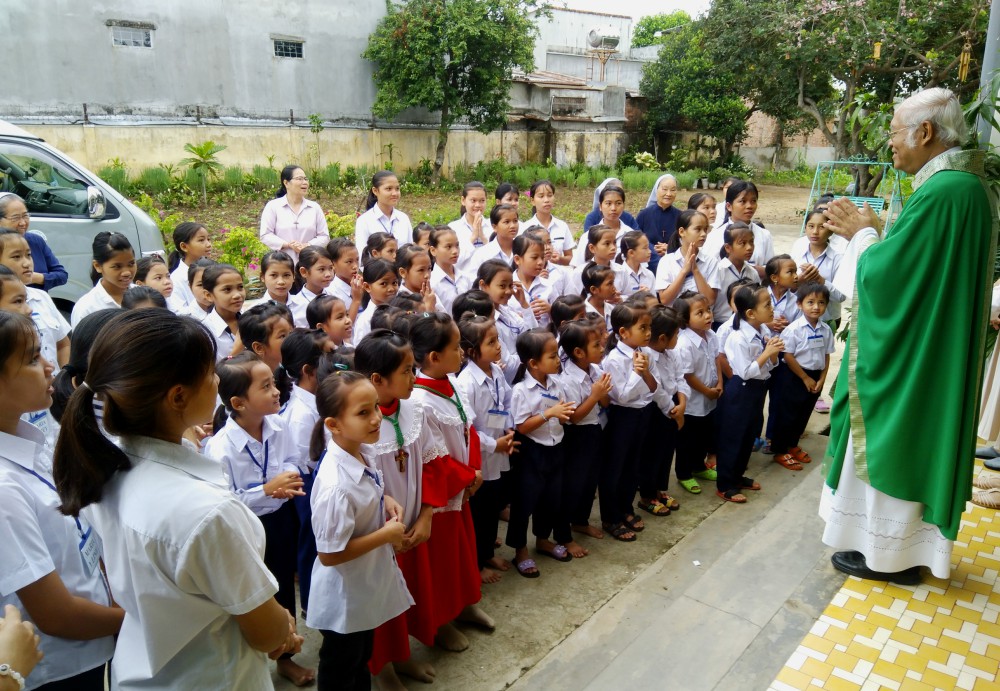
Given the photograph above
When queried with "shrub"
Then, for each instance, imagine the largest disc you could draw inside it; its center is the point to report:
(165, 222)
(265, 178)
(242, 248)
(646, 161)
(340, 226)
(153, 180)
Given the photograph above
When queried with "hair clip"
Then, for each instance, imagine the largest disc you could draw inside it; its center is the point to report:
(340, 367)
(85, 385)
(230, 357)
(427, 314)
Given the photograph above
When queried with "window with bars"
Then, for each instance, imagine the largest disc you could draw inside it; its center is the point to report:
(284, 48)
(132, 37)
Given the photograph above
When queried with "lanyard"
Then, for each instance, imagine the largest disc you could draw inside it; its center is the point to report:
(52, 487)
(738, 274)
(394, 421)
(381, 495)
(817, 264)
(392, 222)
(262, 468)
(456, 401)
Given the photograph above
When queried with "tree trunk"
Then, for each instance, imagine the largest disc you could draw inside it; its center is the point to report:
(442, 143)
(204, 190)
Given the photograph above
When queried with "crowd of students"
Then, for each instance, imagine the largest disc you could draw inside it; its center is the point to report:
(377, 411)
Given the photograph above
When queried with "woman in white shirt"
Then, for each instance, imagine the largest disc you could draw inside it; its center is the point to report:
(381, 215)
(291, 222)
(184, 556)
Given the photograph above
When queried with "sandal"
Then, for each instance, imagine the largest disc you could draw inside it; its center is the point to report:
(732, 495)
(765, 445)
(559, 553)
(987, 481)
(749, 483)
(633, 524)
(691, 485)
(655, 507)
(800, 455)
(710, 464)
(523, 566)
(707, 474)
(987, 498)
(669, 501)
(787, 460)
(619, 532)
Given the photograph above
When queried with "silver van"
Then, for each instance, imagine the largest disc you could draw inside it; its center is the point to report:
(69, 205)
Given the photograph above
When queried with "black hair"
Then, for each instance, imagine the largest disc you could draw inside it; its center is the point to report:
(576, 334)
(475, 301)
(214, 272)
(683, 221)
(698, 198)
(286, 176)
(497, 212)
(640, 298)
(331, 396)
(257, 323)
(594, 234)
(468, 187)
(736, 285)
(320, 309)
(339, 360)
(8, 276)
(135, 296)
(18, 336)
(564, 308)
(473, 328)
(490, 269)
(380, 352)
(505, 188)
(440, 232)
(184, 232)
(630, 241)
(524, 242)
(337, 246)
(608, 189)
(382, 316)
(74, 372)
(812, 288)
(376, 243)
(430, 333)
(406, 254)
(301, 348)
(374, 270)
(197, 266)
(593, 276)
(665, 322)
(731, 232)
(538, 184)
(406, 301)
(377, 180)
(235, 379)
(143, 265)
(773, 265)
(530, 346)
(746, 298)
(735, 190)
(623, 317)
(8, 234)
(135, 360)
(308, 258)
(276, 257)
(421, 228)
(105, 246)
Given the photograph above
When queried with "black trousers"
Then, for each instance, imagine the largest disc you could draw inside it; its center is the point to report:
(657, 455)
(281, 553)
(485, 506)
(738, 419)
(343, 661)
(537, 494)
(307, 541)
(91, 680)
(693, 442)
(581, 470)
(791, 406)
(623, 445)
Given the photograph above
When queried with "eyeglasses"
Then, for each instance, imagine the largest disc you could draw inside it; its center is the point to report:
(300, 178)
(893, 133)
(19, 217)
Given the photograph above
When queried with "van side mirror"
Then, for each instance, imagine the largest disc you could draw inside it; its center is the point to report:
(96, 205)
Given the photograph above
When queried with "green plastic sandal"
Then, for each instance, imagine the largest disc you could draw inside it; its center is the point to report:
(691, 485)
(706, 474)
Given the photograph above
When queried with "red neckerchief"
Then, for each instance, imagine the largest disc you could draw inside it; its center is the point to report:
(389, 409)
(442, 386)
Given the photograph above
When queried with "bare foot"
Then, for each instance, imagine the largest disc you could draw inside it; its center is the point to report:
(421, 671)
(589, 530)
(296, 673)
(710, 461)
(576, 550)
(474, 615)
(505, 514)
(488, 575)
(387, 680)
(499, 564)
(451, 639)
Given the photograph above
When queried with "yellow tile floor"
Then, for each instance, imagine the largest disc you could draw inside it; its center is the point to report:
(941, 634)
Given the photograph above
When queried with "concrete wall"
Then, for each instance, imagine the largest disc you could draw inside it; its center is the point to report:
(569, 29)
(146, 146)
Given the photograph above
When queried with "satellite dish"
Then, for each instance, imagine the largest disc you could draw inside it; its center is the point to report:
(603, 38)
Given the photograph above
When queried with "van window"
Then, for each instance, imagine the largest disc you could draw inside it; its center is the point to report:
(48, 186)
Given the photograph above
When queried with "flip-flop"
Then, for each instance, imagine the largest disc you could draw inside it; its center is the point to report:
(691, 485)
(631, 524)
(559, 553)
(800, 455)
(618, 532)
(654, 507)
(735, 496)
(669, 501)
(749, 483)
(787, 460)
(526, 564)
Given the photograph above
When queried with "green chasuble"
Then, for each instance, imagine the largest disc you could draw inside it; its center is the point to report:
(908, 389)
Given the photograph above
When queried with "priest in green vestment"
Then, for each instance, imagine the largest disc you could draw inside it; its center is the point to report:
(902, 438)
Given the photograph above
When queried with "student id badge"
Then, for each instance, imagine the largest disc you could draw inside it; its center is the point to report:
(91, 548)
(602, 416)
(814, 342)
(496, 419)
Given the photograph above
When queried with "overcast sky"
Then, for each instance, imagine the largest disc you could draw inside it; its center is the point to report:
(639, 8)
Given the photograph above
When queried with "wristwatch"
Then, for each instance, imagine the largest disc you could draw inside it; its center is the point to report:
(8, 671)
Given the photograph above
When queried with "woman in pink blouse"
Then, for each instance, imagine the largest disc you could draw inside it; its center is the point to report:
(289, 222)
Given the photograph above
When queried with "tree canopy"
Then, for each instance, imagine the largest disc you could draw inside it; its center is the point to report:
(453, 57)
(644, 33)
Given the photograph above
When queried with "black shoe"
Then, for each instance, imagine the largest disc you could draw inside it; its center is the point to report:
(853, 564)
(825, 432)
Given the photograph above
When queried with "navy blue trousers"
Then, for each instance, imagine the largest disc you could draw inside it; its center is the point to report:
(624, 440)
(537, 494)
(739, 417)
(581, 470)
(790, 407)
(657, 455)
(694, 440)
(307, 541)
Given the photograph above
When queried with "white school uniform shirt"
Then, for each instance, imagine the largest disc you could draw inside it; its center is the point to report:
(608, 307)
(763, 243)
(361, 594)
(743, 348)
(38, 540)
(94, 300)
(531, 397)
(807, 344)
(397, 224)
(634, 280)
(579, 257)
(184, 558)
(786, 306)
(264, 299)
(443, 433)
(195, 311)
(670, 266)
(827, 263)
(723, 334)
(402, 485)
(363, 323)
(489, 403)
(576, 384)
(558, 277)
(447, 288)
(463, 231)
(225, 339)
(728, 275)
(512, 322)
(574, 284)
(669, 373)
(339, 288)
(490, 250)
(52, 326)
(438, 305)
(249, 464)
(297, 305)
(559, 233)
(299, 418)
(541, 288)
(182, 290)
(628, 389)
(698, 357)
